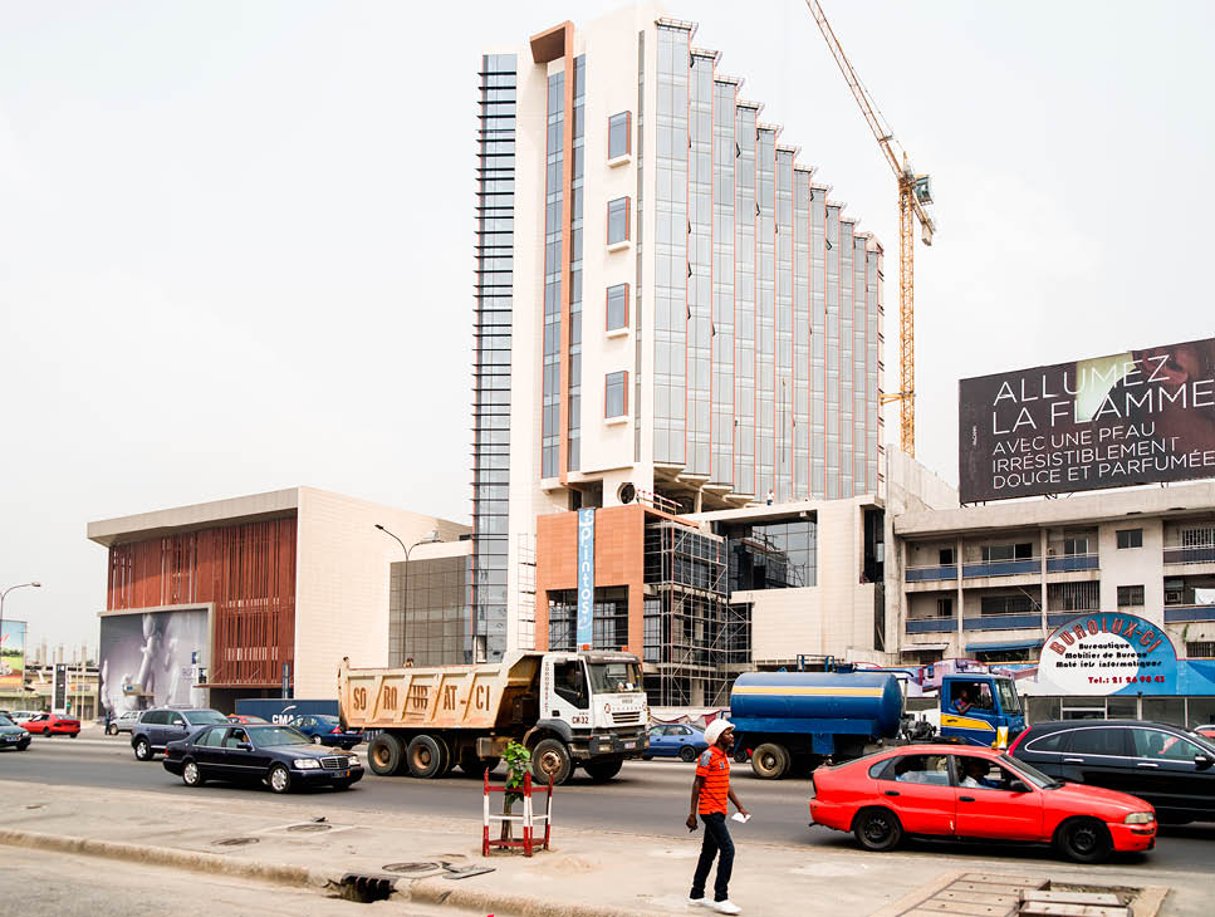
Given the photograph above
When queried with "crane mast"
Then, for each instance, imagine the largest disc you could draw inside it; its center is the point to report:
(914, 197)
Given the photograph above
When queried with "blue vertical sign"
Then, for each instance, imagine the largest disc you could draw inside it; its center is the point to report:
(586, 579)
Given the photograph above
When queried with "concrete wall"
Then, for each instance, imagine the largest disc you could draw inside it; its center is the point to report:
(342, 583)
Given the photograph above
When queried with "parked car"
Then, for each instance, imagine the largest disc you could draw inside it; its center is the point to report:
(51, 724)
(1207, 731)
(20, 716)
(124, 722)
(12, 735)
(246, 719)
(162, 725)
(279, 756)
(1171, 768)
(975, 793)
(678, 740)
(326, 730)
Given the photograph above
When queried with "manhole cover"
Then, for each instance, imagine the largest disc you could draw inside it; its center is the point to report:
(411, 868)
(235, 841)
(309, 828)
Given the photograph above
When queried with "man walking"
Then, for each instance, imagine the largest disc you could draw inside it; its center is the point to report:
(710, 790)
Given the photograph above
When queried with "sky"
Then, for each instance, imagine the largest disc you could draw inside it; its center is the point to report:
(236, 239)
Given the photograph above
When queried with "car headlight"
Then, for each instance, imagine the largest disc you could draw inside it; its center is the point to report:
(1139, 818)
(307, 764)
(352, 760)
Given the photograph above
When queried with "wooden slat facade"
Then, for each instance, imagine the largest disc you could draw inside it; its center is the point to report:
(247, 571)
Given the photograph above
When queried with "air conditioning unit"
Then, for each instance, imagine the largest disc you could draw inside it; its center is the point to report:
(1174, 597)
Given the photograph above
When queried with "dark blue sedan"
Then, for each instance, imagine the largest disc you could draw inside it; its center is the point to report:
(678, 740)
(277, 756)
(326, 730)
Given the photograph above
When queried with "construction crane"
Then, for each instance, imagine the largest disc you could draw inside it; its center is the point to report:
(915, 195)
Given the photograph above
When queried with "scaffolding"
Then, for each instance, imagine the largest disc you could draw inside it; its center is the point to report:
(695, 642)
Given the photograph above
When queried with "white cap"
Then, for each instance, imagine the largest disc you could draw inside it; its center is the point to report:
(714, 730)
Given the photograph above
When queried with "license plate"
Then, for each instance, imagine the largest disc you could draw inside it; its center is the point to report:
(630, 744)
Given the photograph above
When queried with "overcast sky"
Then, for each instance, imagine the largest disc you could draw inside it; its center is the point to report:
(236, 238)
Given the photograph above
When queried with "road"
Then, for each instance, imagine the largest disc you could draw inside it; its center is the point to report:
(647, 798)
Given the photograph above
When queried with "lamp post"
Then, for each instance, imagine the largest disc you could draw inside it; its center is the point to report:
(431, 537)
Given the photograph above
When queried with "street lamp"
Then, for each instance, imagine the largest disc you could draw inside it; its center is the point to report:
(429, 538)
(35, 584)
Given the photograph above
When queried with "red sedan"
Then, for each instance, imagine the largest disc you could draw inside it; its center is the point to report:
(970, 792)
(51, 724)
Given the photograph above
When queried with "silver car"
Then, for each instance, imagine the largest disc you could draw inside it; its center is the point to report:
(124, 722)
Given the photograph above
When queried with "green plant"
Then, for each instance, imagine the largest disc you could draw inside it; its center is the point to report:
(518, 760)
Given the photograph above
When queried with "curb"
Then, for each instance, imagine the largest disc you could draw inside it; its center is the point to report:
(430, 891)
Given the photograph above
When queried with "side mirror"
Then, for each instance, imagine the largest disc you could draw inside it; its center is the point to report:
(245, 746)
(1017, 786)
(1203, 762)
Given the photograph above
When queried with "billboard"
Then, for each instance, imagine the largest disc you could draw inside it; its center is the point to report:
(12, 655)
(1140, 417)
(149, 659)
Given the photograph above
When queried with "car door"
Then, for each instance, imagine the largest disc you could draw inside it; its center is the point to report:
(918, 789)
(205, 750)
(1174, 774)
(1099, 755)
(37, 723)
(175, 728)
(993, 808)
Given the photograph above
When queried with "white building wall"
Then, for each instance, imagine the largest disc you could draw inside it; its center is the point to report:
(342, 582)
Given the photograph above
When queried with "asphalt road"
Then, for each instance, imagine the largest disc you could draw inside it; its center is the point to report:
(647, 798)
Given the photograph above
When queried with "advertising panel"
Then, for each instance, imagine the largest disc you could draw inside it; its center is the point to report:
(1140, 417)
(1108, 653)
(586, 579)
(12, 655)
(153, 658)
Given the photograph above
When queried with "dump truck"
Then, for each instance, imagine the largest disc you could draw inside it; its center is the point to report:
(570, 710)
(792, 721)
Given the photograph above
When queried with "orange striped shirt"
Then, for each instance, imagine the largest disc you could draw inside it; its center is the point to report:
(714, 767)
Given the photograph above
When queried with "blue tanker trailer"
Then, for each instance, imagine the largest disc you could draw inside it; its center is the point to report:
(790, 720)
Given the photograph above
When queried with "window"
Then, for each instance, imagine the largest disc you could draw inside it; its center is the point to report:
(944, 608)
(1158, 745)
(618, 221)
(1015, 603)
(620, 142)
(616, 394)
(998, 552)
(1203, 649)
(1097, 741)
(1075, 545)
(931, 769)
(1130, 538)
(1129, 596)
(946, 557)
(618, 307)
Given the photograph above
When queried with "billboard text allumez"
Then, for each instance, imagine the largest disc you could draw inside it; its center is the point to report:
(586, 579)
(1140, 417)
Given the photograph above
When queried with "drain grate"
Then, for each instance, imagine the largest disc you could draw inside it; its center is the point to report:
(365, 889)
(411, 869)
(308, 828)
(234, 841)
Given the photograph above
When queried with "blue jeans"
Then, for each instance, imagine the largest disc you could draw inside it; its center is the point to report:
(717, 840)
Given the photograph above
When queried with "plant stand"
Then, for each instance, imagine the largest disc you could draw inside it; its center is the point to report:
(528, 819)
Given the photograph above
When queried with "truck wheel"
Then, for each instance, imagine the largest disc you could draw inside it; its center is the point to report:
(426, 756)
(877, 829)
(550, 757)
(385, 755)
(603, 771)
(770, 761)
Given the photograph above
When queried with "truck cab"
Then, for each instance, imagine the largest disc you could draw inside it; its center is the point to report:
(981, 709)
(591, 700)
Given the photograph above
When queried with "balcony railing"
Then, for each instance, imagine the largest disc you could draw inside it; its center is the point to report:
(930, 574)
(1190, 554)
(1069, 562)
(931, 625)
(1055, 618)
(1183, 614)
(1003, 622)
(1002, 567)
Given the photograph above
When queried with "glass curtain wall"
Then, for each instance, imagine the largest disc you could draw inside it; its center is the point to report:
(550, 458)
(744, 301)
(725, 153)
(574, 435)
(700, 262)
(800, 385)
(765, 307)
(784, 381)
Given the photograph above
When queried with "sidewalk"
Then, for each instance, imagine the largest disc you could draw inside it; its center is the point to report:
(587, 874)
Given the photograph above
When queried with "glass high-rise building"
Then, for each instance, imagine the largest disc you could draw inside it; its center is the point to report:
(670, 309)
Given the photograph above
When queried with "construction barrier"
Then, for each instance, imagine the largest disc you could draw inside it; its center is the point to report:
(527, 819)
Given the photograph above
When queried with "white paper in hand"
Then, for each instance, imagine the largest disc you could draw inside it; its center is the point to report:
(739, 817)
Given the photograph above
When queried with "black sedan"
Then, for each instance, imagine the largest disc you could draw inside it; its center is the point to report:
(12, 735)
(1165, 765)
(277, 756)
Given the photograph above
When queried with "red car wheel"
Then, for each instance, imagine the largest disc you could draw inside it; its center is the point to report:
(877, 829)
(1084, 840)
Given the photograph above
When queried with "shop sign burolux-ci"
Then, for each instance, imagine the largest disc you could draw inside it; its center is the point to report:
(1108, 653)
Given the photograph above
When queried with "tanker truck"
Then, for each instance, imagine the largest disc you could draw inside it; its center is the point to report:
(568, 709)
(790, 721)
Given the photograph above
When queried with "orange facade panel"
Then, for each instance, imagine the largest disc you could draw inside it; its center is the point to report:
(246, 570)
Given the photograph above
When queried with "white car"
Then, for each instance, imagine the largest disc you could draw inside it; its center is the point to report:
(124, 722)
(20, 716)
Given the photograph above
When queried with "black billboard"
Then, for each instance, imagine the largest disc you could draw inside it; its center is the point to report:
(1140, 417)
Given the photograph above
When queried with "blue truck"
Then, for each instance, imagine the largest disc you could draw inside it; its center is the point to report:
(284, 710)
(792, 721)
